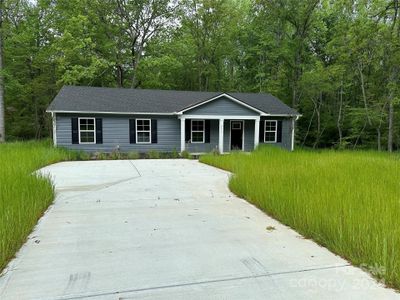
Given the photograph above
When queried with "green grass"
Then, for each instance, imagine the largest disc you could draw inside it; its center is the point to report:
(346, 201)
(24, 196)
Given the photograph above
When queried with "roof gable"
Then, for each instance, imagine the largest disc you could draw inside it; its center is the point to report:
(222, 104)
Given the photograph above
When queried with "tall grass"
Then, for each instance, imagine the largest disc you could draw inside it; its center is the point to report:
(24, 196)
(346, 201)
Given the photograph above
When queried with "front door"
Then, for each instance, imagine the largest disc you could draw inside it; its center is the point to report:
(236, 135)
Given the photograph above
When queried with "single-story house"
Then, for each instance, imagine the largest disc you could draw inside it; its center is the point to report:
(104, 119)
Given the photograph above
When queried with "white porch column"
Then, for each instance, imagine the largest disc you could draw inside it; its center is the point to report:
(54, 119)
(292, 142)
(183, 135)
(256, 132)
(221, 136)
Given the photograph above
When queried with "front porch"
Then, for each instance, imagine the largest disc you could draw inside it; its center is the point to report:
(205, 133)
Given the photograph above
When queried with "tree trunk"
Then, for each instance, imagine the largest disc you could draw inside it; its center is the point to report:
(393, 79)
(317, 105)
(120, 76)
(378, 131)
(390, 131)
(364, 94)
(2, 121)
(339, 119)
(296, 77)
(308, 128)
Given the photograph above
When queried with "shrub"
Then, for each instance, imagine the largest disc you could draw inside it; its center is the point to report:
(133, 155)
(82, 155)
(165, 155)
(153, 154)
(215, 151)
(186, 154)
(100, 156)
(174, 154)
(115, 154)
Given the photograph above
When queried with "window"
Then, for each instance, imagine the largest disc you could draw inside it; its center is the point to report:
(87, 131)
(197, 131)
(270, 132)
(143, 131)
(236, 125)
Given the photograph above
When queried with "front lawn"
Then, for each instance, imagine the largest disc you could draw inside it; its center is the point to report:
(23, 196)
(346, 201)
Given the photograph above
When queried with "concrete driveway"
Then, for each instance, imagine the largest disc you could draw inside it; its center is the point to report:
(169, 229)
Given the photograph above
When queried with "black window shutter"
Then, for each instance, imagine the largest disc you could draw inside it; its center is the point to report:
(99, 131)
(74, 131)
(279, 132)
(132, 131)
(207, 131)
(187, 130)
(154, 131)
(261, 133)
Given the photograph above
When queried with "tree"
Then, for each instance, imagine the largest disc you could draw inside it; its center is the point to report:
(140, 21)
(337, 62)
(2, 119)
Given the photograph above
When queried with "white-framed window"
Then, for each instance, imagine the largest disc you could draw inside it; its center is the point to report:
(236, 125)
(143, 131)
(197, 131)
(270, 131)
(87, 130)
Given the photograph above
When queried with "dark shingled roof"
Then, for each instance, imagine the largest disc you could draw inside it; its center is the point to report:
(122, 100)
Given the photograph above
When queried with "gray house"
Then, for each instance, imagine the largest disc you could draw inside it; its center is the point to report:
(104, 119)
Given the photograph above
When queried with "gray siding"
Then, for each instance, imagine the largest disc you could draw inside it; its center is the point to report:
(206, 147)
(220, 107)
(286, 132)
(249, 135)
(116, 133)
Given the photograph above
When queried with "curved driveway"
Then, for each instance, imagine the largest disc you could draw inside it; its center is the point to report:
(169, 229)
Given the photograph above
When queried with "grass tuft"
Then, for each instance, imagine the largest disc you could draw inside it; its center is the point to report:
(346, 201)
(24, 197)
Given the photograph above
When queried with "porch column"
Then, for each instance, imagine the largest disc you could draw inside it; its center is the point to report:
(256, 132)
(292, 141)
(54, 119)
(221, 136)
(183, 134)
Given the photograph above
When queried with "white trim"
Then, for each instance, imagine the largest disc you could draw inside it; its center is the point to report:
(94, 130)
(276, 131)
(230, 134)
(256, 133)
(179, 113)
(183, 135)
(238, 123)
(292, 142)
(217, 117)
(203, 131)
(227, 96)
(149, 113)
(136, 131)
(221, 135)
(109, 112)
(54, 121)
(285, 115)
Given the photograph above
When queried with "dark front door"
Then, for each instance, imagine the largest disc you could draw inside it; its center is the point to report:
(236, 135)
